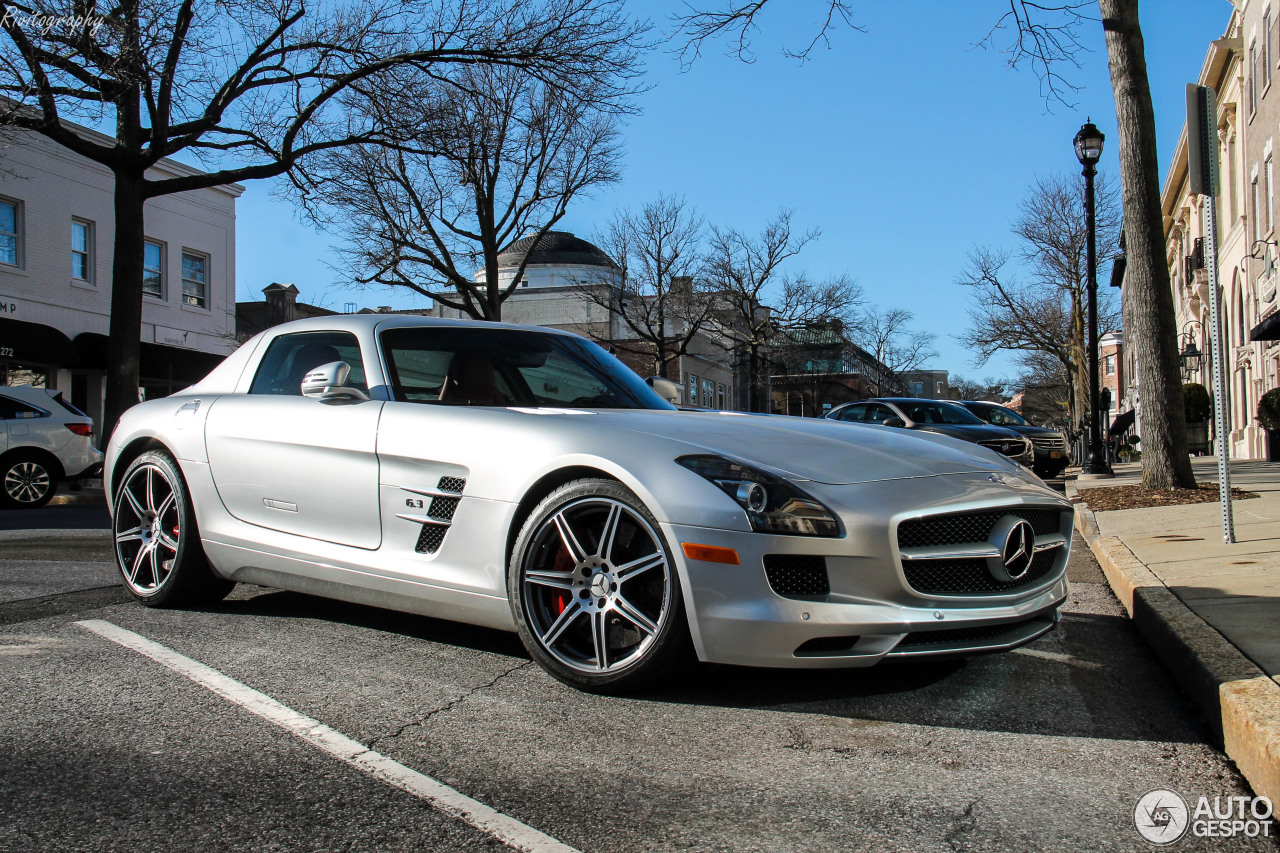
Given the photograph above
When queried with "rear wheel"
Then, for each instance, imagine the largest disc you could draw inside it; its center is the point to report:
(157, 544)
(594, 590)
(28, 481)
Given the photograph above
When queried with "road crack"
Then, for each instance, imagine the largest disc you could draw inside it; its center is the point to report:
(962, 825)
(448, 706)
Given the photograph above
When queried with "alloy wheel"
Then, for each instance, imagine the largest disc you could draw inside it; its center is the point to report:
(147, 529)
(596, 585)
(27, 482)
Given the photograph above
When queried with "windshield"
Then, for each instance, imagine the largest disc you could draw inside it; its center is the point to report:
(939, 413)
(1000, 416)
(471, 366)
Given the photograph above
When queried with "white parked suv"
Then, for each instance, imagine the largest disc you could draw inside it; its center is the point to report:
(45, 440)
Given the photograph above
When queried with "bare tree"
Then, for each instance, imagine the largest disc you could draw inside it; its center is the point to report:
(738, 21)
(1045, 314)
(898, 349)
(756, 300)
(499, 159)
(1044, 35)
(659, 302)
(264, 85)
(990, 388)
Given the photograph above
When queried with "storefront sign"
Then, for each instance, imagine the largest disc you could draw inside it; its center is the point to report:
(8, 306)
(174, 338)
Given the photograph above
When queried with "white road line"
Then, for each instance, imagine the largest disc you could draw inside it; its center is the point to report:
(1060, 658)
(506, 829)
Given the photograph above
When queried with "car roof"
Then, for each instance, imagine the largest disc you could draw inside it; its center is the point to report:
(378, 322)
(29, 394)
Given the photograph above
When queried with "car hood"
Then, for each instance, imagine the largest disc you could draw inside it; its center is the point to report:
(811, 448)
(974, 432)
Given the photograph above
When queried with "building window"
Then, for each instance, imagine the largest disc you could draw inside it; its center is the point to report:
(1253, 79)
(1257, 211)
(693, 390)
(153, 268)
(1269, 175)
(1266, 48)
(720, 400)
(708, 393)
(1109, 365)
(11, 233)
(82, 250)
(195, 278)
(915, 389)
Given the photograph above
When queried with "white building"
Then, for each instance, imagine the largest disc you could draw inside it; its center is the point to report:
(56, 233)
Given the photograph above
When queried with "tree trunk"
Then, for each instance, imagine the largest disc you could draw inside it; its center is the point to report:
(125, 346)
(1154, 334)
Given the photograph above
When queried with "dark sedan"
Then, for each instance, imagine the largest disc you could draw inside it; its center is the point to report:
(937, 416)
(1050, 446)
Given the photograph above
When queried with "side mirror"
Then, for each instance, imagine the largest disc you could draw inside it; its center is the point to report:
(665, 388)
(894, 422)
(329, 382)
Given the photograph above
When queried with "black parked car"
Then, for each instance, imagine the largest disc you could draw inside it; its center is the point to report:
(1051, 454)
(938, 416)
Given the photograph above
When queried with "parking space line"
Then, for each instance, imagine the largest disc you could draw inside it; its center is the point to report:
(1059, 658)
(506, 829)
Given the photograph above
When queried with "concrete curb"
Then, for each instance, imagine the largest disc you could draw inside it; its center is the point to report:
(1238, 701)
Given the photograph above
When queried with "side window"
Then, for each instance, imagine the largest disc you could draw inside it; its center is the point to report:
(289, 357)
(853, 413)
(13, 410)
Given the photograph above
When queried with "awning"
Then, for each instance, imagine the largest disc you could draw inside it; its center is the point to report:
(156, 361)
(37, 343)
(1122, 422)
(1267, 330)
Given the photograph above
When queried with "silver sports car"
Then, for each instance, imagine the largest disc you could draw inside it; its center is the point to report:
(523, 479)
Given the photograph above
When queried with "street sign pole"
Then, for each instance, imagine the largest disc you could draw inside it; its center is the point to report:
(1202, 171)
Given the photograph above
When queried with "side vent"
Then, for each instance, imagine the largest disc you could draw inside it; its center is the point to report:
(445, 498)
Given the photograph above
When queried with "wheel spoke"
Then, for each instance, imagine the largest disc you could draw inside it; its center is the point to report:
(643, 564)
(555, 580)
(576, 551)
(130, 535)
(155, 563)
(137, 563)
(168, 541)
(600, 638)
(609, 533)
(631, 612)
(133, 502)
(151, 495)
(562, 621)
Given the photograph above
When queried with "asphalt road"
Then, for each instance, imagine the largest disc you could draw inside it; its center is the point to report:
(1047, 748)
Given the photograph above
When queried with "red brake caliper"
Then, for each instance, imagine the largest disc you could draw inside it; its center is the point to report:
(563, 563)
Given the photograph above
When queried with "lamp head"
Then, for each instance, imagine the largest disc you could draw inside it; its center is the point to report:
(1088, 143)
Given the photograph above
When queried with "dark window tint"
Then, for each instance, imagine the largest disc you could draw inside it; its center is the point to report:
(289, 357)
(11, 409)
(851, 413)
(940, 413)
(469, 366)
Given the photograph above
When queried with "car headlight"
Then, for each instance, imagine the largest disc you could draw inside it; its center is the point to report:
(772, 504)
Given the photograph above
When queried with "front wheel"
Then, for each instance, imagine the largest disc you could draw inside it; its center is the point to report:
(158, 548)
(594, 591)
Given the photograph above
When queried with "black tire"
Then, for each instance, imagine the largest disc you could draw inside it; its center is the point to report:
(157, 544)
(27, 481)
(594, 590)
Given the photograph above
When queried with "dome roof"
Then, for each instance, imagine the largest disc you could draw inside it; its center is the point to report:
(556, 248)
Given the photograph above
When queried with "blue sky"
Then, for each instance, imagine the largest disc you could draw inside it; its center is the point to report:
(905, 144)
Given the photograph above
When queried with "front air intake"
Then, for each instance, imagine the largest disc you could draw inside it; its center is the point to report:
(797, 575)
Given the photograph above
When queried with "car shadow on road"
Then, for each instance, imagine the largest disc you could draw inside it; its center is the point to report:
(1092, 677)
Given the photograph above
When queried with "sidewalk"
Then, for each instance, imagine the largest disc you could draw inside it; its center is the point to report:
(1211, 611)
(90, 492)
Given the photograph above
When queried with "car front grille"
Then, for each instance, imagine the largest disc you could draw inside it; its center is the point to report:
(1049, 442)
(949, 554)
(964, 527)
(1006, 446)
(970, 576)
(797, 575)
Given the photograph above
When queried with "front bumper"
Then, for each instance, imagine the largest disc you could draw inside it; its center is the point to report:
(870, 611)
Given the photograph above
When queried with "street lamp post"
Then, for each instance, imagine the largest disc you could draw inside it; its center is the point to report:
(1088, 145)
